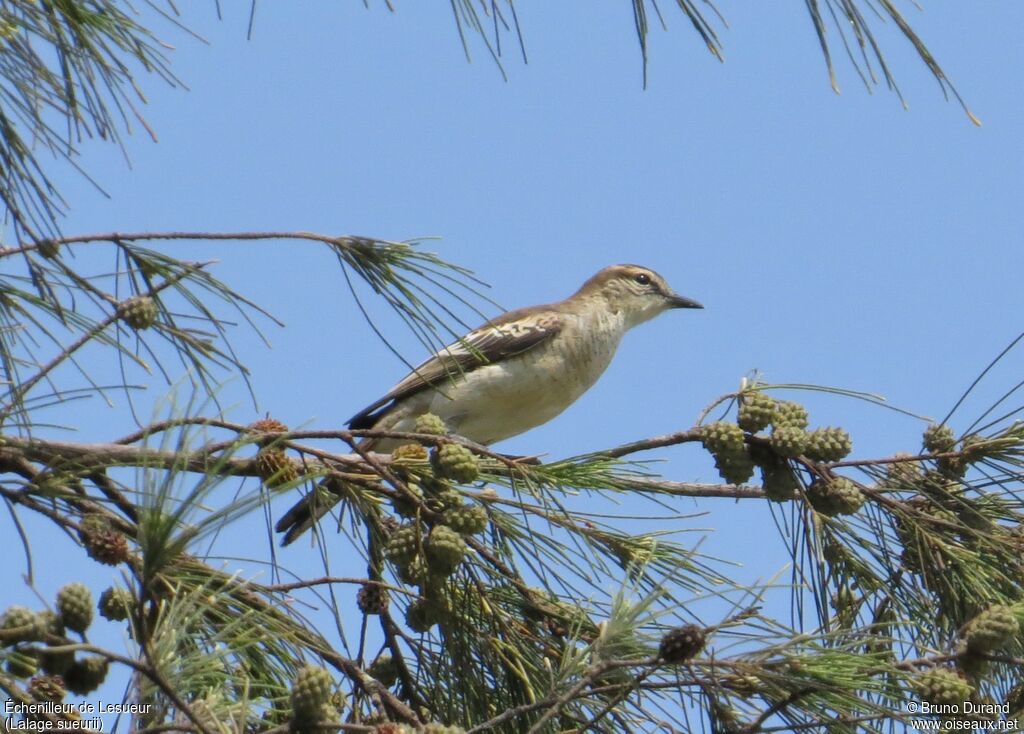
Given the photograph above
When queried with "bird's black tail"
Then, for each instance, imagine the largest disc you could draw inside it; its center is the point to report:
(307, 512)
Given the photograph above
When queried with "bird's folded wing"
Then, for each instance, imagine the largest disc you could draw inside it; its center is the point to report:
(512, 334)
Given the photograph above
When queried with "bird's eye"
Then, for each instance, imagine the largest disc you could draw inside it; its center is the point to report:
(642, 278)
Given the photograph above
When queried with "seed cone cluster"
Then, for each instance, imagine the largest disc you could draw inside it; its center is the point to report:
(780, 483)
(20, 624)
(789, 441)
(828, 444)
(47, 688)
(274, 467)
(372, 599)
(410, 452)
(991, 630)
(756, 411)
(432, 546)
(272, 463)
(726, 444)
(56, 671)
(466, 519)
(312, 691)
(939, 438)
(403, 545)
(940, 512)
(48, 248)
(443, 498)
(445, 550)
(456, 462)
(423, 614)
(682, 643)
(423, 558)
(102, 542)
(86, 675)
(943, 482)
(384, 669)
(430, 424)
(722, 438)
(139, 312)
(741, 447)
(942, 687)
(789, 413)
(835, 496)
(415, 573)
(74, 605)
(116, 604)
(432, 490)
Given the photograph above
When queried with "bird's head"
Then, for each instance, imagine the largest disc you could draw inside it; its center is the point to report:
(635, 291)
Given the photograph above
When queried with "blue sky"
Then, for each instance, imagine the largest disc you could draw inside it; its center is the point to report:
(834, 239)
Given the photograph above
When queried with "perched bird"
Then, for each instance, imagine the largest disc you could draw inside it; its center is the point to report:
(515, 372)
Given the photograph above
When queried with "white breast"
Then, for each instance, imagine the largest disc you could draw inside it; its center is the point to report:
(501, 400)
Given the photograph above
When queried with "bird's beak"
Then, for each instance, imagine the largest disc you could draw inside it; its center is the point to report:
(677, 301)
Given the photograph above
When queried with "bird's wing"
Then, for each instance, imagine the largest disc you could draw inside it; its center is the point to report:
(512, 333)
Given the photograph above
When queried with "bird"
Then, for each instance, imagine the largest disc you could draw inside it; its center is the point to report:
(513, 373)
